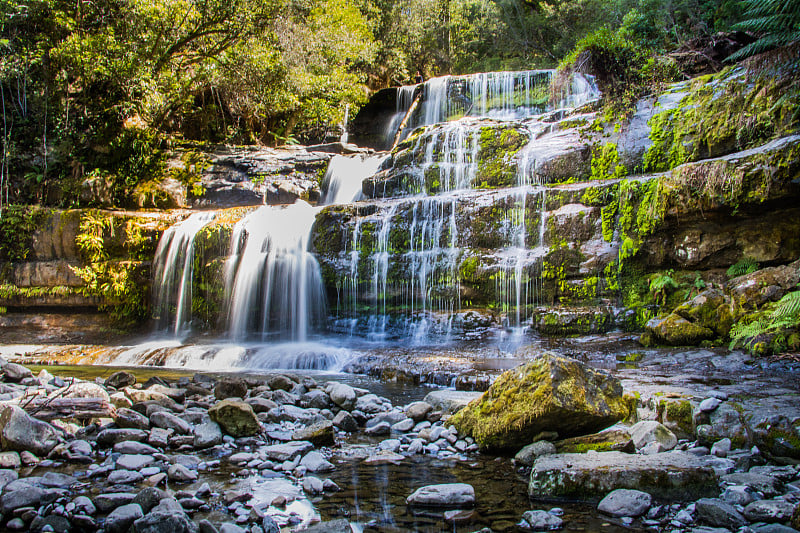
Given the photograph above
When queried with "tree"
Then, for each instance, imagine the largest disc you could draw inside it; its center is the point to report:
(777, 22)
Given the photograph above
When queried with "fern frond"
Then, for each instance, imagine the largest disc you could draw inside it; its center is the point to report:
(746, 265)
(788, 306)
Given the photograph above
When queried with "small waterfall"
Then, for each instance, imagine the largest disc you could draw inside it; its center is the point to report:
(405, 97)
(343, 139)
(342, 181)
(172, 283)
(273, 283)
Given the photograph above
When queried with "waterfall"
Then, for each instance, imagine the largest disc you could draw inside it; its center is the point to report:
(273, 283)
(342, 181)
(172, 283)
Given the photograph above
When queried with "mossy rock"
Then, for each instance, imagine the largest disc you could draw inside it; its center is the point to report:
(779, 437)
(677, 331)
(612, 440)
(709, 309)
(677, 416)
(550, 393)
(236, 418)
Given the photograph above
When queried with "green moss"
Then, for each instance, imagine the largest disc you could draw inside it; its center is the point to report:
(606, 163)
(496, 164)
(11, 292)
(18, 223)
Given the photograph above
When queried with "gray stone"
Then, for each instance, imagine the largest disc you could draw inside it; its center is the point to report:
(230, 388)
(647, 431)
(57, 480)
(15, 372)
(231, 528)
(84, 505)
(767, 485)
(128, 418)
(21, 432)
(134, 447)
(403, 426)
(381, 428)
(316, 462)
(341, 525)
(527, 455)
(287, 451)
(109, 437)
(542, 521)
(708, 405)
(181, 474)
(207, 435)
(6, 477)
(148, 498)
(120, 380)
(318, 434)
(716, 512)
(452, 495)
(625, 502)
(23, 496)
(313, 485)
(134, 461)
(585, 476)
(10, 460)
(121, 518)
(721, 448)
(166, 517)
(418, 411)
(124, 477)
(108, 501)
(769, 511)
(450, 401)
(165, 420)
(369, 404)
(345, 421)
(316, 399)
(738, 495)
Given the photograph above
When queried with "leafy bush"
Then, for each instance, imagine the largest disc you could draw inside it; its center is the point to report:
(776, 21)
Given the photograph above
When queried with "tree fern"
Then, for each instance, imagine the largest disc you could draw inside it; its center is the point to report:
(776, 21)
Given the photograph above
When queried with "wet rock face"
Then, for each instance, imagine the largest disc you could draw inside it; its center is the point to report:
(551, 393)
(273, 176)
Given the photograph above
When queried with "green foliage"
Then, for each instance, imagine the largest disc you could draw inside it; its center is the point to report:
(17, 225)
(606, 163)
(662, 285)
(117, 283)
(776, 21)
(746, 265)
(769, 331)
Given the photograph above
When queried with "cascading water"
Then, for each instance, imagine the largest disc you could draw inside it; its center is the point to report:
(273, 283)
(172, 283)
(342, 181)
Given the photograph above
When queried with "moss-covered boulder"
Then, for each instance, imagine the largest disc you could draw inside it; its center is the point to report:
(769, 284)
(709, 309)
(612, 440)
(677, 331)
(550, 393)
(236, 418)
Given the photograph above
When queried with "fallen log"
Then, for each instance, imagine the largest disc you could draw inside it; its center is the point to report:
(77, 408)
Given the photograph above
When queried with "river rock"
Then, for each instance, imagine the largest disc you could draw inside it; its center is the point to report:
(341, 525)
(287, 451)
(236, 418)
(109, 501)
(134, 447)
(166, 517)
(207, 435)
(451, 495)
(319, 434)
(769, 511)
(343, 395)
(128, 418)
(19, 494)
(134, 461)
(21, 432)
(650, 431)
(10, 460)
(121, 518)
(625, 502)
(550, 393)
(124, 477)
(281, 382)
(450, 401)
(527, 455)
(345, 421)
(230, 388)
(120, 380)
(316, 462)
(148, 497)
(14, 372)
(542, 521)
(418, 411)
(82, 389)
(768, 485)
(165, 420)
(716, 512)
(181, 474)
(610, 440)
(588, 476)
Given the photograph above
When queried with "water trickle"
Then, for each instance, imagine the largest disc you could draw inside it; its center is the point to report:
(342, 181)
(172, 284)
(273, 283)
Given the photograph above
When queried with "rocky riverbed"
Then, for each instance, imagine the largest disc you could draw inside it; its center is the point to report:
(286, 451)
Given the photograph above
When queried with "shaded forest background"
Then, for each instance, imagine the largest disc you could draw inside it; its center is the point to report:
(105, 88)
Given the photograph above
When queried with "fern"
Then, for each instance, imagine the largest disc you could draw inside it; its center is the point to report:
(785, 315)
(746, 265)
(776, 21)
(788, 306)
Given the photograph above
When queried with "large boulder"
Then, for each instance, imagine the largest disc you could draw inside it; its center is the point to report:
(21, 432)
(709, 309)
(677, 331)
(237, 419)
(550, 393)
(450, 401)
(589, 476)
(451, 495)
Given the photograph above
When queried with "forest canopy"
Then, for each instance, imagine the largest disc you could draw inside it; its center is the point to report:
(105, 87)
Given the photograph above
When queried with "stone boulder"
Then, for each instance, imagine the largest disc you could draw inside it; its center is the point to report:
(649, 432)
(120, 380)
(677, 331)
(766, 285)
(625, 502)
(230, 388)
(450, 401)
(710, 309)
(319, 434)
(611, 440)
(589, 476)
(21, 432)
(237, 419)
(550, 393)
(451, 495)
